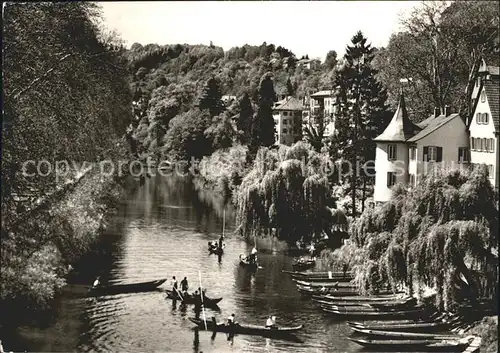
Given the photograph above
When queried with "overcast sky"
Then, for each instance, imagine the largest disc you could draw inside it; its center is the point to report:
(304, 27)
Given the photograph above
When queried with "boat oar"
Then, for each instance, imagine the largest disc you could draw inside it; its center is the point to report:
(179, 294)
(202, 306)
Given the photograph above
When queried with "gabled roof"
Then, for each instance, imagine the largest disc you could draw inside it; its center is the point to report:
(434, 124)
(290, 104)
(492, 89)
(401, 128)
(323, 94)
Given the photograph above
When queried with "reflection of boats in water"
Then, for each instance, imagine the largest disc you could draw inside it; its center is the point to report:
(304, 263)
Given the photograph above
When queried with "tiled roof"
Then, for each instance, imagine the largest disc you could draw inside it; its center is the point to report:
(492, 90)
(290, 104)
(322, 94)
(401, 128)
(434, 124)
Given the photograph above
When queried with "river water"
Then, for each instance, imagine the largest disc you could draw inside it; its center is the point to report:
(162, 231)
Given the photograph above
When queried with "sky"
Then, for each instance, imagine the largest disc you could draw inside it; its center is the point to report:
(304, 27)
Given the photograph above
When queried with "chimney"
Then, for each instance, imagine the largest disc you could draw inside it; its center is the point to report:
(447, 110)
(437, 112)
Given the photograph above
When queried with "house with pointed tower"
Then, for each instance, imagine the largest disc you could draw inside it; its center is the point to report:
(407, 151)
(484, 123)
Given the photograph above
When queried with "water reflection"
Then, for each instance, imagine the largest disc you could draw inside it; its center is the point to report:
(165, 226)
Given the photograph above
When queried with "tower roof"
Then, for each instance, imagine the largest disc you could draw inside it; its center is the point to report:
(401, 128)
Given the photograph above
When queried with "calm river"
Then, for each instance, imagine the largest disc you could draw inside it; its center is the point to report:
(162, 231)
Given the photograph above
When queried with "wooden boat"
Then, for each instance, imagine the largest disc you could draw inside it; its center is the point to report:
(320, 276)
(377, 314)
(412, 345)
(393, 304)
(354, 308)
(402, 335)
(412, 327)
(246, 329)
(303, 264)
(192, 299)
(244, 262)
(215, 249)
(126, 288)
(357, 298)
(331, 284)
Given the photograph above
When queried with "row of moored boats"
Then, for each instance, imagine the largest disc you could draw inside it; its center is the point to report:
(387, 321)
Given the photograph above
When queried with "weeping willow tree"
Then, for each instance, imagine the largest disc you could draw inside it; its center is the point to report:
(442, 235)
(286, 194)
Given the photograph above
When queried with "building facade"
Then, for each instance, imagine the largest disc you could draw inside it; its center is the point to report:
(321, 105)
(287, 116)
(483, 123)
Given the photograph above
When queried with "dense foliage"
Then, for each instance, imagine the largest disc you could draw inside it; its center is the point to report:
(285, 184)
(439, 50)
(66, 99)
(441, 234)
(361, 115)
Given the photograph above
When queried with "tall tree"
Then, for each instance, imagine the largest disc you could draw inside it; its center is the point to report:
(440, 48)
(244, 122)
(263, 131)
(290, 90)
(361, 114)
(211, 97)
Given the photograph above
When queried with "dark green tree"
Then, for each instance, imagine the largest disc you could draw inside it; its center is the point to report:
(244, 122)
(211, 97)
(263, 131)
(361, 114)
(290, 90)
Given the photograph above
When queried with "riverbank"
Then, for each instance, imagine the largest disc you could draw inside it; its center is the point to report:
(38, 257)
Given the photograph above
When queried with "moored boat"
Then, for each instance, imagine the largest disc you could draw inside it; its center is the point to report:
(238, 328)
(383, 334)
(378, 314)
(244, 262)
(413, 345)
(303, 264)
(126, 288)
(360, 299)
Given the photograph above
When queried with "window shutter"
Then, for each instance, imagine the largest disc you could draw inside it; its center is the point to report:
(388, 179)
(478, 118)
(439, 156)
(426, 153)
(486, 118)
(460, 154)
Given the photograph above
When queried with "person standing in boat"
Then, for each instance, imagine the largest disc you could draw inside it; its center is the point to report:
(96, 282)
(184, 286)
(253, 256)
(175, 286)
(312, 250)
(221, 239)
(269, 322)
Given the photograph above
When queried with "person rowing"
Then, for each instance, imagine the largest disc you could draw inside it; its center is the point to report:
(221, 239)
(230, 320)
(253, 256)
(175, 287)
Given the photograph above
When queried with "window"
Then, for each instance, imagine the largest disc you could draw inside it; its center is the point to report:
(492, 145)
(482, 118)
(285, 113)
(472, 143)
(285, 122)
(483, 96)
(413, 180)
(391, 179)
(478, 118)
(463, 154)
(391, 152)
(285, 131)
(485, 118)
(484, 144)
(413, 153)
(490, 170)
(432, 154)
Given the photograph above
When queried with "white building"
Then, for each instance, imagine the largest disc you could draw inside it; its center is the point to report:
(321, 104)
(287, 116)
(406, 151)
(483, 124)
